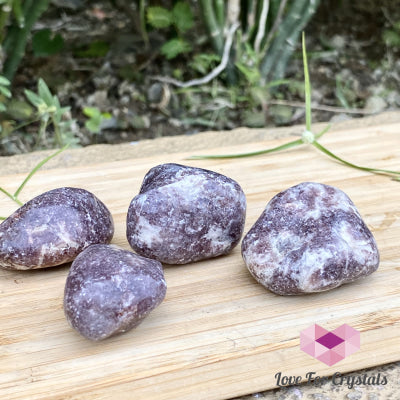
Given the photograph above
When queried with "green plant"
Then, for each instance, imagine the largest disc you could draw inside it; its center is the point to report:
(9, 8)
(98, 48)
(14, 32)
(181, 18)
(45, 43)
(4, 93)
(96, 117)
(392, 36)
(268, 29)
(308, 137)
(46, 111)
(15, 197)
(49, 112)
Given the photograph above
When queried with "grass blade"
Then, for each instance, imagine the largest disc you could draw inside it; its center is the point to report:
(349, 164)
(307, 85)
(13, 198)
(38, 166)
(253, 153)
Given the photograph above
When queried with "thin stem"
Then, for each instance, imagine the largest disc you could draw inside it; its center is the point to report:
(274, 28)
(12, 197)
(5, 11)
(142, 14)
(42, 129)
(214, 29)
(262, 22)
(220, 12)
(349, 164)
(321, 107)
(32, 121)
(275, 60)
(17, 37)
(38, 166)
(285, 146)
(307, 85)
(57, 131)
(326, 129)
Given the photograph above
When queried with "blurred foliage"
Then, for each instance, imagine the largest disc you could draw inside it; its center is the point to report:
(268, 34)
(55, 126)
(45, 43)
(181, 18)
(95, 119)
(16, 21)
(392, 36)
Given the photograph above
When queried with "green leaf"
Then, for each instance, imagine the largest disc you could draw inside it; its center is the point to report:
(182, 16)
(5, 92)
(94, 50)
(34, 98)
(174, 47)
(392, 38)
(44, 92)
(44, 43)
(159, 17)
(252, 74)
(63, 110)
(92, 112)
(2, 109)
(339, 91)
(19, 110)
(278, 82)
(203, 62)
(4, 81)
(93, 125)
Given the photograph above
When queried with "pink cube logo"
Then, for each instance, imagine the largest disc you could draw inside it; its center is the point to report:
(330, 347)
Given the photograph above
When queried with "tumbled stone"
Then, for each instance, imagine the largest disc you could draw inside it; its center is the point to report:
(184, 214)
(53, 228)
(310, 238)
(110, 290)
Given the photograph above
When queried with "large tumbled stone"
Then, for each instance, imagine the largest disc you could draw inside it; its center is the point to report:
(53, 228)
(110, 290)
(310, 238)
(184, 214)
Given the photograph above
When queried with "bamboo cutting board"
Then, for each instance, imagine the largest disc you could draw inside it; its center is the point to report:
(218, 334)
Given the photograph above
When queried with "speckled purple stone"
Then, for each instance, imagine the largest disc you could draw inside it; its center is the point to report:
(110, 290)
(53, 228)
(310, 238)
(184, 214)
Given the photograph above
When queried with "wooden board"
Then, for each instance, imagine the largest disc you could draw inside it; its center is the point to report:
(218, 334)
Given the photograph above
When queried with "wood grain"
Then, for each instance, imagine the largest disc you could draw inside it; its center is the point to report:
(218, 334)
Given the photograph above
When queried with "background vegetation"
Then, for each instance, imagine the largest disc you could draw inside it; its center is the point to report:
(82, 72)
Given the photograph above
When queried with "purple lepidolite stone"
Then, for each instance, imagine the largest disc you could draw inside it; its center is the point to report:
(184, 214)
(110, 290)
(53, 228)
(310, 238)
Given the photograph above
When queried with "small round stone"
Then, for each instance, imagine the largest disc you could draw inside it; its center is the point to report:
(53, 228)
(310, 238)
(110, 290)
(184, 214)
